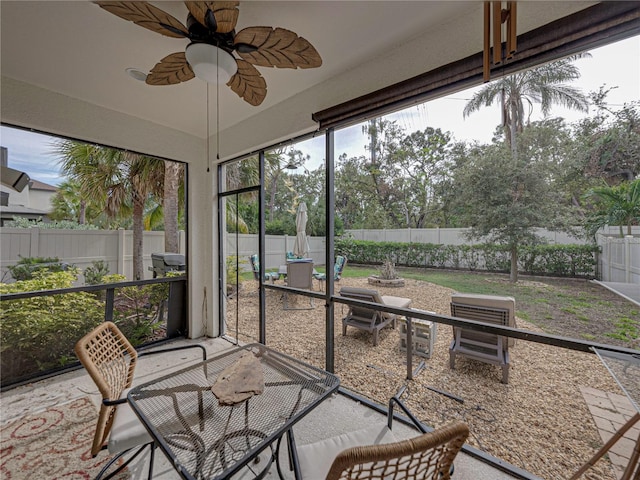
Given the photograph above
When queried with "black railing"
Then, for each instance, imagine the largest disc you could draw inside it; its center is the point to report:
(38, 330)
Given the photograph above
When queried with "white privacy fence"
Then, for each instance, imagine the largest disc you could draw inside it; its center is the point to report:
(446, 236)
(620, 259)
(79, 248)
(619, 262)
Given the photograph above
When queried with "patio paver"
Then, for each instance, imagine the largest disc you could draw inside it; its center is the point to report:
(610, 411)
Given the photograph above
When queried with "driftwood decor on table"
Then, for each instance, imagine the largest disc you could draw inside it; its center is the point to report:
(240, 381)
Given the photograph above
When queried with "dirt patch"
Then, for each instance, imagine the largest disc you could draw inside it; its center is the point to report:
(538, 422)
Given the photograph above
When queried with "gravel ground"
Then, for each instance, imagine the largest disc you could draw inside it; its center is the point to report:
(538, 422)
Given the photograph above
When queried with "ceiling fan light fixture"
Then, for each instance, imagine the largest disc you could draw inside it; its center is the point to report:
(210, 63)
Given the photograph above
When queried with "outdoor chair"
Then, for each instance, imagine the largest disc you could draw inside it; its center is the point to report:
(485, 347)
(255, 267)
(110, 361)
(370, 318)
(338, 267)
(376, 453)
(299, 275)
(292, 256)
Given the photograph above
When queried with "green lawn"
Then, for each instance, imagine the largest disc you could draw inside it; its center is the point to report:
(569, 307)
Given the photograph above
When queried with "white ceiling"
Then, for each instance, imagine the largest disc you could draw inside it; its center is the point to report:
(81, 51)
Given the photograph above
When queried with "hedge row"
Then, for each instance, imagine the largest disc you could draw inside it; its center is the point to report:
(553, 260)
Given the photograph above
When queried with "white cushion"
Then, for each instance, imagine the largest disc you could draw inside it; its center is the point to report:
(316, 458)
(399, 302)
(127, 431)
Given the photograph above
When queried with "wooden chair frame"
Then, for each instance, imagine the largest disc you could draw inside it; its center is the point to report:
(370, 319)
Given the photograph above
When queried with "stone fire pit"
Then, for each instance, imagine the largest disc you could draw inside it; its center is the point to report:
(385, 282)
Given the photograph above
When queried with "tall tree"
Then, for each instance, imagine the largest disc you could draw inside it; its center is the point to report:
(385, 175)
(505, 199)
(545, 85)
(613, 151)
(173, 175)
(421, 163)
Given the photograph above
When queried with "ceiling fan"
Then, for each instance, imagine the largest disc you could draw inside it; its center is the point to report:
(211, 55)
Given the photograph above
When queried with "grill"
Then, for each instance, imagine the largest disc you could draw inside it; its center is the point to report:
(167, 262)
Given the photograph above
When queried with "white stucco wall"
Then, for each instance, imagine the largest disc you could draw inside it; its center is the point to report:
(15, 197)
(40, 199)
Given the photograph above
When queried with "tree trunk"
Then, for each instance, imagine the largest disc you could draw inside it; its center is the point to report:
(170, 206)
(82, 214)
(272, 193)
(513, 277)
(514, 126)
(138, 228)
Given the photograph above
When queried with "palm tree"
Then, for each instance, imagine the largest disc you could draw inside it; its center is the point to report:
(117, 180)
(545, 85)
(617, 205)
(68, 203)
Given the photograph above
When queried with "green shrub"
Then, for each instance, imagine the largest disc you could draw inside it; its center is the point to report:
(138, 311)
(21, 222)
(39, 333)
(556, 260)
(27, 266)
(94, 274)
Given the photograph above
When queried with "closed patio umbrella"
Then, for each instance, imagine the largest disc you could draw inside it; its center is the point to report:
(301, 246)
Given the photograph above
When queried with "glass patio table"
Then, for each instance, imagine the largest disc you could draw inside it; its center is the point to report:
(625, 369)
(206, 440)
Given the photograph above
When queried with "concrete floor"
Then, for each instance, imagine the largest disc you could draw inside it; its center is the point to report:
(337, 415)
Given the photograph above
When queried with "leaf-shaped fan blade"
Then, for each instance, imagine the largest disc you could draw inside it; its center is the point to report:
(277, 48)
(170, 70)
(248, 83)
(147, 16)
(225, 14)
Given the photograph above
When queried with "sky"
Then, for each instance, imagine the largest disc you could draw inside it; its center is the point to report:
(617, 65)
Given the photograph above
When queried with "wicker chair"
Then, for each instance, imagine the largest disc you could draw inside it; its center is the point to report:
(110, 361)
(375, 453)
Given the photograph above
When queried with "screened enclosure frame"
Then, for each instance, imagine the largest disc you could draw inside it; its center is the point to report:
(595, 26)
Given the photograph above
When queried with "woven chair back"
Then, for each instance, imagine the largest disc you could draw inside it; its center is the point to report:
(110, 361)
(428, 456)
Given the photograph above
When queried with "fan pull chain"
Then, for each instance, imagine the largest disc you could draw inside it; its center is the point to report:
(217, 105)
